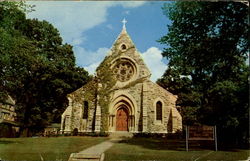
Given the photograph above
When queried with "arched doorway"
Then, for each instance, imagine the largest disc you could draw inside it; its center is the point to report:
(122, 119)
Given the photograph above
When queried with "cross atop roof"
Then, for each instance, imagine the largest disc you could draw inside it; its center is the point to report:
(124, 23)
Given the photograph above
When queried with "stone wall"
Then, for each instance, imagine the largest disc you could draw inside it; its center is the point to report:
(171, 119)
(145, 94)
(66, 118)
(73, 115)
(133, 85)
(134, 94)
(7, 110)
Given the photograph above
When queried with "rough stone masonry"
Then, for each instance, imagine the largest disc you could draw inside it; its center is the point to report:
(121, 97)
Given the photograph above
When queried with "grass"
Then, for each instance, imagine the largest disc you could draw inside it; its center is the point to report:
(47, 149)
(148, 149)
(135, 149)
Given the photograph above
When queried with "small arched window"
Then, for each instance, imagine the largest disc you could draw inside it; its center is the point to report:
(159, 111)
(123, 47)
(85, 110)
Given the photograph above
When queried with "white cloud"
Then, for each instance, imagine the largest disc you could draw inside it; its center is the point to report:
(85, 58)
(78, 41)
(131, 4)
(92, 67)
(126, 12)
(90, 60)
(109, 26)
(72, 19)
(154, 60)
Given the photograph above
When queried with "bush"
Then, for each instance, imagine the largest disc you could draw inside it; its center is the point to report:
(103, 134)
(159, 135)
(75, 132)
(7, 130)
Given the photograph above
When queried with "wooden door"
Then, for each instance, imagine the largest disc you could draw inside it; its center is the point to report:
(122, 120)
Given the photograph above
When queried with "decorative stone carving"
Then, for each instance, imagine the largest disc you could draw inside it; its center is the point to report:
(123, 70)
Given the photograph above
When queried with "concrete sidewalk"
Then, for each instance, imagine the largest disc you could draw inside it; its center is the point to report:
(102, 147)
(94, 153)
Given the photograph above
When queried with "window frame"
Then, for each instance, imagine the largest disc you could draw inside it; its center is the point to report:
(158, 111)
(85, 110)
(157, 122)
(122, 47)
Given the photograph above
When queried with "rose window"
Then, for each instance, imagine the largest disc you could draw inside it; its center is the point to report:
(123, 71)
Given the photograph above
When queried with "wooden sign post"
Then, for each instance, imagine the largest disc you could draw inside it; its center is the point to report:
(215, 138)
(186, 138)
(201, 132)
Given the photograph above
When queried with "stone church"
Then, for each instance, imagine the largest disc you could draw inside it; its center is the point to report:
(121, 97)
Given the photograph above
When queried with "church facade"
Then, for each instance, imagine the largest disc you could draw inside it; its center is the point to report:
(121, 97)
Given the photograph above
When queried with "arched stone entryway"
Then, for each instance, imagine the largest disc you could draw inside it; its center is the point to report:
(122, 118)
(122, 114)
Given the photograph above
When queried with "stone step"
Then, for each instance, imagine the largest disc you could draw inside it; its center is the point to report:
(121, 134)
(86, 157)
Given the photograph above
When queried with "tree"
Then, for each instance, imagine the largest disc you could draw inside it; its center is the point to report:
(208, 46)
(36, 68)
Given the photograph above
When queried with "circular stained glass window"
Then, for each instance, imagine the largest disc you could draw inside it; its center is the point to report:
(124, 71)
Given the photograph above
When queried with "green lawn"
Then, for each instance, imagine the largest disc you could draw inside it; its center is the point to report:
(36, 149)
(136, 149)
(142, 149)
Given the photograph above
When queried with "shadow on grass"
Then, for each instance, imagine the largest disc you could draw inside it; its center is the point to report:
(156, 143)
(168, 144)
(177, 144)
(7, 142)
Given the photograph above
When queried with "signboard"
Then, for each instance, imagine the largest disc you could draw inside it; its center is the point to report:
(202, 132)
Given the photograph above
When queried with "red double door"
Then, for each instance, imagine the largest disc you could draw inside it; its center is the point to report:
(122, 119)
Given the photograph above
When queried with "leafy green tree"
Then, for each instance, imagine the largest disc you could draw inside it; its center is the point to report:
(208, 44)
(37, 69)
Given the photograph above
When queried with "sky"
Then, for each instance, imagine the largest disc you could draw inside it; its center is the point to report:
(92, 27)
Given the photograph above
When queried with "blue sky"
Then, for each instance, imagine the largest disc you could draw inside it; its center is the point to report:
(92, 27)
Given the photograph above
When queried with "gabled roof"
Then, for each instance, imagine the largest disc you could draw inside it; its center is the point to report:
(123, 38)
(130, 52)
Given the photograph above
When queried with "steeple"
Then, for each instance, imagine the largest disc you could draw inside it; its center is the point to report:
(124, 49)
(123, 40)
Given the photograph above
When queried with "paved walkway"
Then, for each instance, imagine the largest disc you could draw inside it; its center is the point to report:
(102, 147)
(96, 152)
